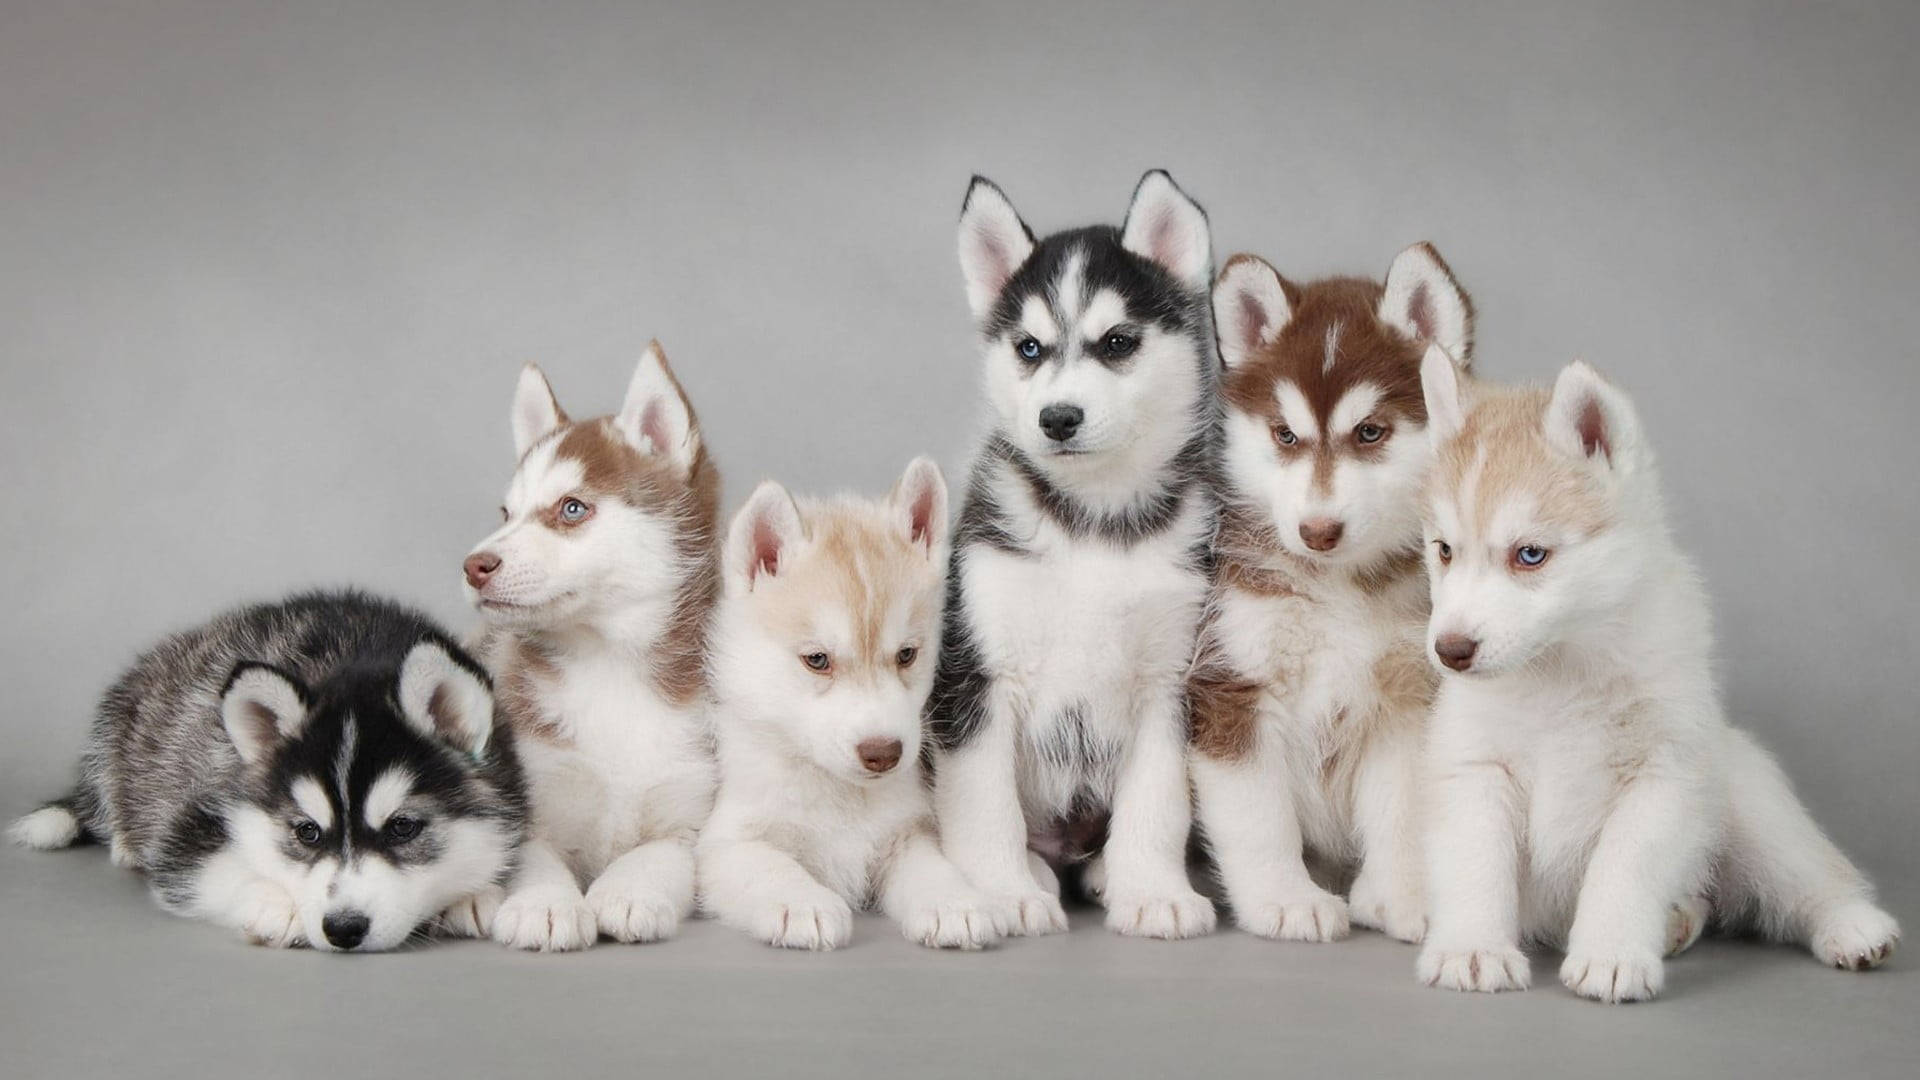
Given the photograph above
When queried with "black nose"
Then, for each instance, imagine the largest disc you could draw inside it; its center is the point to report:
(1061, 421)
(345, 929)
(1455, 650)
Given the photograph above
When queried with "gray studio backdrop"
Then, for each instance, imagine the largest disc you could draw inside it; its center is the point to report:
(267, 273)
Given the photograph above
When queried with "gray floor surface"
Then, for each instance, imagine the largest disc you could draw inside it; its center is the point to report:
(98, 982)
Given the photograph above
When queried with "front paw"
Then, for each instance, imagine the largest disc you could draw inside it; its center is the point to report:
(817, 921)
(966, 923)
(1310, 916)
(472, 916)
(268, 916)
(545, 922)
(1176, 915)
(633, 913)
(1028, 914)
(1613, 975)
(1855, 936)
(1487, 969)
(1685, 921)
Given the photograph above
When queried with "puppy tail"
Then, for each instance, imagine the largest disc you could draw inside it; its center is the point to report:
(54, 825)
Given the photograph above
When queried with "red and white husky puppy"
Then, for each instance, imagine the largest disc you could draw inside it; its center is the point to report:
(824, 650)
(1587, 790)
(1311, 693)
(596, 591)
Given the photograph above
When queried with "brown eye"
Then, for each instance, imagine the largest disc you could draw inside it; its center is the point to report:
(1370, 433)
(1444, 550)
(1120, 344)
(1284, 435)
(818, 662)
(308, 833)
(906, 656)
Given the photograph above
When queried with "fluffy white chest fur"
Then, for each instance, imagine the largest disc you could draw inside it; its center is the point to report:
(627, 766)
(1080, 633)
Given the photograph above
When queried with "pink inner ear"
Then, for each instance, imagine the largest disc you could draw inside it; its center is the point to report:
(920, 517)
(1420, 311)
(653, 426)
(1253, 321)
(1163, 239)
(1593, 429)
(766, 550)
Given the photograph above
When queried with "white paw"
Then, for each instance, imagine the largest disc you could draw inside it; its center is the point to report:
(1318, 916)
(1488, 969)
(1029, 914)
(545, 921)
(816, 921)
(1613, 976)
(268, 916)
(1685, 922)
(632, 912)
(956, 924)
(1177, 915)
(1396, 912)
(1855, 936)
(472, 916)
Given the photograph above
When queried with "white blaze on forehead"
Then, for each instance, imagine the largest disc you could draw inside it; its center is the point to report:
(1331, 346)
(1037, 320)
(1294, 411)
(311, 798)
(543, 478)
(1067, 287)
(1355, 405)
(385, 795)
(1105, 311)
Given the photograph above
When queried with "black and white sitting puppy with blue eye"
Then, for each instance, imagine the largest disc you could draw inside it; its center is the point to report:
(323, 771)
(1080, 564)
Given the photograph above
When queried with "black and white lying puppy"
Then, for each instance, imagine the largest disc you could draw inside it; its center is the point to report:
(1080, 564)
(322, 771)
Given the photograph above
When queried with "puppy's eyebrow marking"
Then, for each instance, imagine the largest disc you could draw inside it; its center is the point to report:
(311, 798)
(385, 795)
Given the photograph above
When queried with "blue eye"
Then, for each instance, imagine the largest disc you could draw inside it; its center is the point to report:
(1029, 349)
(573, 511)
(1529, 555)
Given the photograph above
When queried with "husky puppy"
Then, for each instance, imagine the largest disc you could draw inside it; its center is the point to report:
(596, 593)
(1311, 691)
(1080, 562)
(322, 771)
(1588, 790)
(823, 655)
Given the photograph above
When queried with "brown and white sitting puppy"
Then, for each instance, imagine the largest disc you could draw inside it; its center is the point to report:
(1311, 689)
(597, 591)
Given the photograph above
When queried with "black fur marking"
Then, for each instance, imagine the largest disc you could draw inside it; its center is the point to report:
(1150, 292)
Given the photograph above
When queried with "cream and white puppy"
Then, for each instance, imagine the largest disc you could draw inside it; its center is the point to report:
(1587, 790)
(824, 650)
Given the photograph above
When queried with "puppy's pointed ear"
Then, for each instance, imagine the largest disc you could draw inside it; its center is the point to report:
(1590, 418)
(993, 244)
(657, 418)
(1424, 302)
(447, 697)
(536, 412)
(1167, 227)
(1249, 308)
(763, 535)
(1440, 383)
(261, 707)
(919, 504)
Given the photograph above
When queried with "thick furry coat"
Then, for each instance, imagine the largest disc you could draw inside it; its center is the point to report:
(1081, 562)
(1311, 691)
(1587, 790)
(254, 767)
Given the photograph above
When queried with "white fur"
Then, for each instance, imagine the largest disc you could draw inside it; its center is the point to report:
(1586, 781)
(1249, 309)
(1417, 276)
(45, 829)
(619, 793)
(802, 833)
(993, 244)
(1166, 227)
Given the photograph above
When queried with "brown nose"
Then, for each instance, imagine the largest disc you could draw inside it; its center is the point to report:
(1321, 534)
(879, 755)
(1455, 650)
(480, 567)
